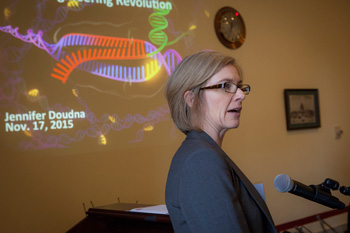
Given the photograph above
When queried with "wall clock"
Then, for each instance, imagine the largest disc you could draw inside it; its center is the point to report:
(229, 27)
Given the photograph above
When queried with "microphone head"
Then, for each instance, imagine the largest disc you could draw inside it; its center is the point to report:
(283, 183)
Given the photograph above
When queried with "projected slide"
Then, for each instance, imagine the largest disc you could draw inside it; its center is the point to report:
(85, 73)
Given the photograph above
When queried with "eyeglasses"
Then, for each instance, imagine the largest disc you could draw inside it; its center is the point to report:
(230, 87)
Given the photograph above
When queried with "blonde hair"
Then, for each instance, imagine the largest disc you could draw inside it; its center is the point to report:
(190, 75)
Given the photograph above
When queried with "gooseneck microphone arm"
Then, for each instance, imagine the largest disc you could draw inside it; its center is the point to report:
(318, 193)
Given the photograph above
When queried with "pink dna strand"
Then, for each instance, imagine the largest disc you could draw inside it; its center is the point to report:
(93, 53)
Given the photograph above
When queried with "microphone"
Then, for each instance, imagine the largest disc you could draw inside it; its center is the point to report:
(317, 193)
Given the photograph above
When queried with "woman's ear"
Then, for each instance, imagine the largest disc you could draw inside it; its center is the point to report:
(189, 97)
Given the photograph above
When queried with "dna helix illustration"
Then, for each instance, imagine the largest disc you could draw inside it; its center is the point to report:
(45, 24)
(100, 53)
(94, 53)
(59, 15)
(157, 36)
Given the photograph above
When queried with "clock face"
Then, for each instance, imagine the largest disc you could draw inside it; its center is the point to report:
(229, 27)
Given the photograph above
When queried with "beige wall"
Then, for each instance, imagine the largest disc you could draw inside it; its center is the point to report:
(290, 44)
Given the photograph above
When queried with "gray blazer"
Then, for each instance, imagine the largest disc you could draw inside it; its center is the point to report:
(207, 193)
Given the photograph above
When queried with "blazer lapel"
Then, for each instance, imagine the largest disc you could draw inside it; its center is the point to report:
(250, 187)
(252, 190)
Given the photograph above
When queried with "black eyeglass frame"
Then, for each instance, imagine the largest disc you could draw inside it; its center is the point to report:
(244, 87)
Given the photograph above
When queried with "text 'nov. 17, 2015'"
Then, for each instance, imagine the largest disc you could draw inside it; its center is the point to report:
(32, 120)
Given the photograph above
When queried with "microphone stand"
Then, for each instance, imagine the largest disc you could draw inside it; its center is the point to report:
(323, 193)
(322, 222)
(346, 191)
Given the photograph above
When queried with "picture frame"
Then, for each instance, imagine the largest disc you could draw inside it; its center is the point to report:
(302, 108)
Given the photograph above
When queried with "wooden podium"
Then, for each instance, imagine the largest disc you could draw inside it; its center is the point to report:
(118, 218)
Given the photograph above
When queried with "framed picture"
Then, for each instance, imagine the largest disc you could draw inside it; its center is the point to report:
(302, 108)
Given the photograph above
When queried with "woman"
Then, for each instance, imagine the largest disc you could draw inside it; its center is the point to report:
(206, 191)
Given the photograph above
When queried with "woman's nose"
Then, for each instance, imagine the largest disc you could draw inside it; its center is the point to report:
(239, 95)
